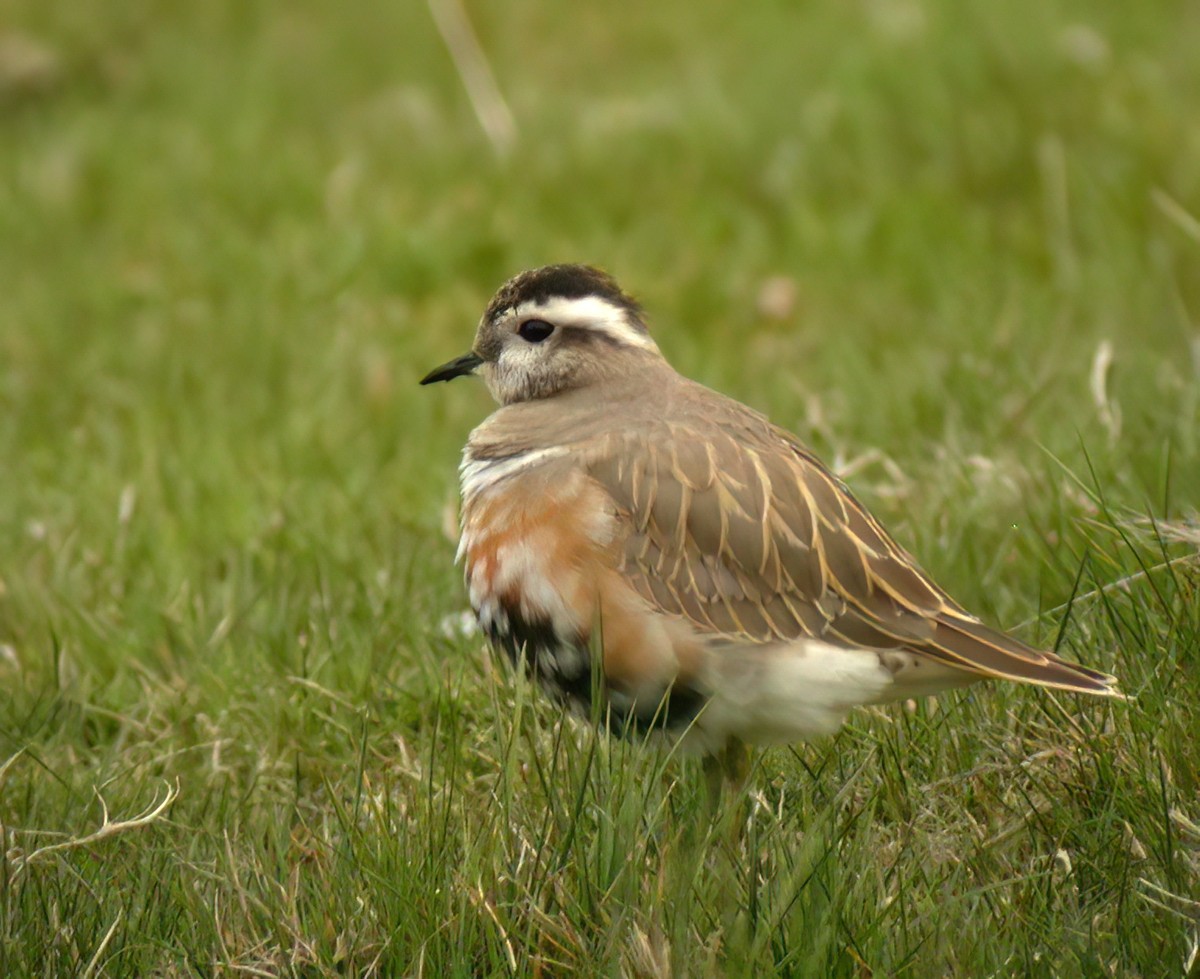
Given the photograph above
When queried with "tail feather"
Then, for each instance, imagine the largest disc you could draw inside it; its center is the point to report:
(973, 646)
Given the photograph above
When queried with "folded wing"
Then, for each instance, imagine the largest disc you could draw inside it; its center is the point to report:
(739, 529)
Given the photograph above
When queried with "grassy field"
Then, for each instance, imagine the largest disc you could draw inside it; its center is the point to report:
(239, 731)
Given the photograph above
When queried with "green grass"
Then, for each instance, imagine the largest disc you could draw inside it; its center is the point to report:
(232, 237)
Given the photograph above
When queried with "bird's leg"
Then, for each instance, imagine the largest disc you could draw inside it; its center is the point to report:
(730, 765)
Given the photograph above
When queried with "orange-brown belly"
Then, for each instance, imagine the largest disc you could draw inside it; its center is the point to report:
(540, 556)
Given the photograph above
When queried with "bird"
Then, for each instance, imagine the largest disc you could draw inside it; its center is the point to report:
(664, 558)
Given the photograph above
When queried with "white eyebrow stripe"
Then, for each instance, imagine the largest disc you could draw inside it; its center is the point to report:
(591, 313)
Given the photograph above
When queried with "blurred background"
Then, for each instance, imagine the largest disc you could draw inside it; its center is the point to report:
(953, 244)
(928, 236)
(886, 217)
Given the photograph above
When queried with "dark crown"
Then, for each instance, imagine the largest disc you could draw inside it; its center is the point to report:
(562, 282)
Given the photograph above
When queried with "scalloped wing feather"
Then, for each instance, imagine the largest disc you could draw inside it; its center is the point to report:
(735, 526)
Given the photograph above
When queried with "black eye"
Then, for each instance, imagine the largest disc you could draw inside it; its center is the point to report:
(535, 331)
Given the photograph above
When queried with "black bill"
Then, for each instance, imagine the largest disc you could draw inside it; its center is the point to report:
(465, 364)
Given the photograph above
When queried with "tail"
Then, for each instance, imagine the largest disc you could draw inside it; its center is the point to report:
(972, 646)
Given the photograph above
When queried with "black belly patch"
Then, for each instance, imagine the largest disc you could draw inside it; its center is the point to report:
(562, 665)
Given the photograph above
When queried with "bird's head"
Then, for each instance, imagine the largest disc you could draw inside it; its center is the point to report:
(551, 330)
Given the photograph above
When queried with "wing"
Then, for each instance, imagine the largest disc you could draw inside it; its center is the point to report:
(740, 530)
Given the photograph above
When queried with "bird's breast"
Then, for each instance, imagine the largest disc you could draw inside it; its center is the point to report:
(540, 546)
(533, 543)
